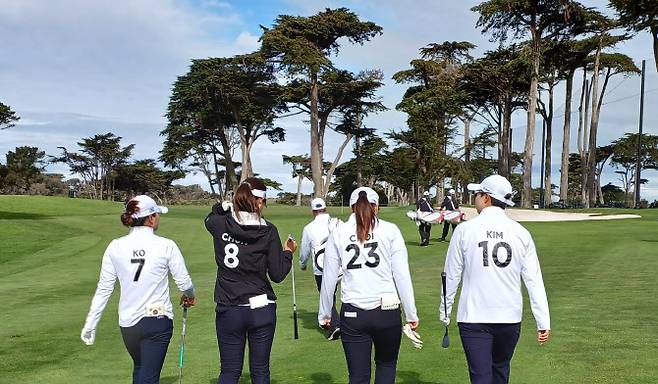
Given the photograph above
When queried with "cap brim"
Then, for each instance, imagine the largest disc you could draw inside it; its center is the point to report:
(163, 209)
(474, 187)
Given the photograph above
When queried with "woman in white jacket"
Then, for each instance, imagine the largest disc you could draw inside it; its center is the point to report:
(142, 262)
(374, 261)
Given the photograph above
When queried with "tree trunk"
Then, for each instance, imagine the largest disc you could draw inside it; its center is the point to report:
(504, 163)
(566, 137)
(583, 148)
(247, 168)
(300, 178)
(316, 154)
(231, 178)
(526, 196)
(594, 123)
(548, 191)
(654, 34)
(332, 168)
(359, 165)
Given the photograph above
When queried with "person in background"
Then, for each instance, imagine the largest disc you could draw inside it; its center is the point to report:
(493, 254)
(247, 250)
(374, 261)
(449, 203)
(314, 240)
(423, 205)
(142, 262)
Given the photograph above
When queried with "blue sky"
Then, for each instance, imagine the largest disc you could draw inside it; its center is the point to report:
(74, 68)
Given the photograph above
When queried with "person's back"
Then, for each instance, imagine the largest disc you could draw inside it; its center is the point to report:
(142, 261)
(497, 252)
(377, 261)
(314, 238)
(247, 249)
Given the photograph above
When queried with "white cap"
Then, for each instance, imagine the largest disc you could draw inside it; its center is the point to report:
(371, 195)
(318, 204)
(426, 193)
(495, 186)
(451, 191)
(146, 207)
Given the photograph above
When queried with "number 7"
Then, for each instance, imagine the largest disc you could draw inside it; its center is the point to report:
(139, 269)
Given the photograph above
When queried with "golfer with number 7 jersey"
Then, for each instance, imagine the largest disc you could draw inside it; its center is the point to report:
(142, 262)
(376, 277)
(493, 254)
(247, 250)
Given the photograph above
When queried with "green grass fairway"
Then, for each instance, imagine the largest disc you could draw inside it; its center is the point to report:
(600, 277)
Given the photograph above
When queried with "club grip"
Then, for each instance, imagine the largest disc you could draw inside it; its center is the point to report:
(296, 329)
(443, 282)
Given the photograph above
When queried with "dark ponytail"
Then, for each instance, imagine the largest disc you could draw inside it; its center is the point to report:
(366, 216)
(127, 217)
(244, 200)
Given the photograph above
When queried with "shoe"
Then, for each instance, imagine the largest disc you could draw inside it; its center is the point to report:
(442, 239)
(424, 245)
(335, 335)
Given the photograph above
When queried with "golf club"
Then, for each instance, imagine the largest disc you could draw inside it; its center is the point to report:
(294, 299)
(446, 338)
(182, 346)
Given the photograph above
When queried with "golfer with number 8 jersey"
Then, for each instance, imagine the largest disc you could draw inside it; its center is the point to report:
(141, 261)
(247, 250)
(374, 260)
(493, 254)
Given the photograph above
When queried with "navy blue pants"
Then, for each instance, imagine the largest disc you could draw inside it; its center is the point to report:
(446, 228)
(489, 349)
(359, 331)
(147, 342)
(235, 325)
(335, 318)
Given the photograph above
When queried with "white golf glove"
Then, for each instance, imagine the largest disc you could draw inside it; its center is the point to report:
(445, 321)
(227, 205)
(413, 336)
(88, 336)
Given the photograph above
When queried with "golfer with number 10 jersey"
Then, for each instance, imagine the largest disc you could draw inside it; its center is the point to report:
(247, 251)
(374, 260)
(493, 253)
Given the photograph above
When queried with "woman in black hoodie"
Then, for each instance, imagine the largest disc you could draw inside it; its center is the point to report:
(247, 250)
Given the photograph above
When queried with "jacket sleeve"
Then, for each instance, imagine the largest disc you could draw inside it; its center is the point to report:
(402, 276)
(104, 290)
(278, 260)
(211, 220)
(305, 250)
(329, 277)
(453, 268)
(179, 270)
(534, 283)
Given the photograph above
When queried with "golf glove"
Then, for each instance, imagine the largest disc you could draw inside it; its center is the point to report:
(445, 321)
(88, 336)
(227, 206)
(413, 336)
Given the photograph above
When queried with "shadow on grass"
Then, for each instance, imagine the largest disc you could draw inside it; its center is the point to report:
(245, 378)
(408, 377)
(309, 320)
(21, 216)
(321, 378)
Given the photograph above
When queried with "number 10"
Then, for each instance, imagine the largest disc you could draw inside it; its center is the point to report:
(494, 253)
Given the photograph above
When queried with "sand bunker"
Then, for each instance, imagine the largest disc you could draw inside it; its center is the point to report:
(540, 215)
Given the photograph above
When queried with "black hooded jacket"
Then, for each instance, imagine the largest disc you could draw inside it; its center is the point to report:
(245, 256)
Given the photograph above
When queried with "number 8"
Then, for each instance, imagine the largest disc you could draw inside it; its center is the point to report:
(231, 255)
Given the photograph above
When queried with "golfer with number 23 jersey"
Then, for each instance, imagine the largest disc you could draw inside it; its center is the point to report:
(374, 260)
(247, 250)
(493, 254)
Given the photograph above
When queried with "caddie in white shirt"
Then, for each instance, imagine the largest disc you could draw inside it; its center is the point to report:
(314, 240)
(493, 254)
(373, 257)
(141, 261)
